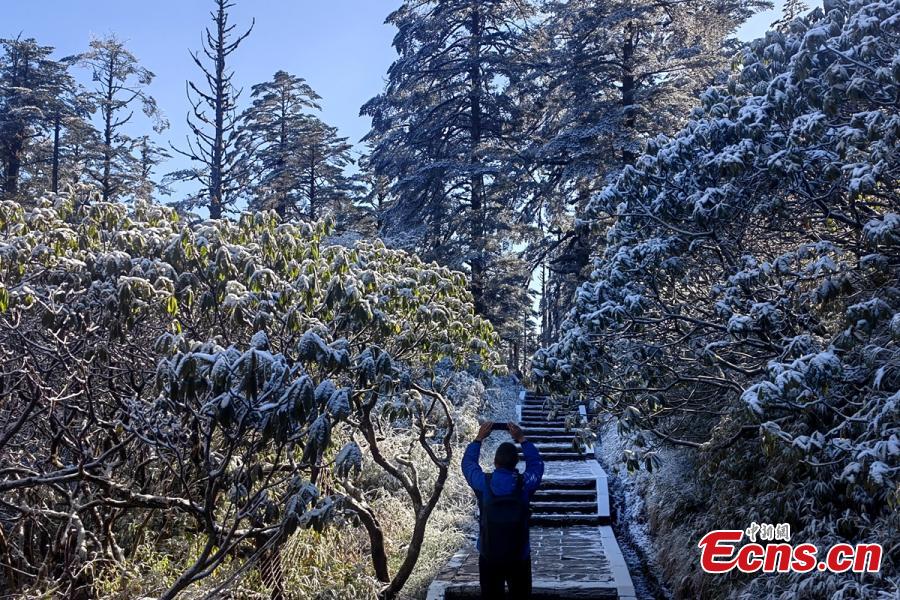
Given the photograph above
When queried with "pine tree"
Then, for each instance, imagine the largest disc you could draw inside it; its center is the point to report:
(273, 125)
(27, 79)
(375, 200)
(147, 156)
(442, 132)
(213, 120)
(297, 162)
(67, 119)
(120, 84)
(608, 76)
(323, 159)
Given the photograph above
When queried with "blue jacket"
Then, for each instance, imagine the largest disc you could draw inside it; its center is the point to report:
(503, 481)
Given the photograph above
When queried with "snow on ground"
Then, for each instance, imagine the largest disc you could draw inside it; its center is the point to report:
(629, 516)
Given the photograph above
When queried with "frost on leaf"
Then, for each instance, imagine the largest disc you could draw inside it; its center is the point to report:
(348, 460)
(318, 438)
(339, 404)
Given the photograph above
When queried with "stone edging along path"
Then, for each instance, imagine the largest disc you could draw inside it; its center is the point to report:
(574, 552)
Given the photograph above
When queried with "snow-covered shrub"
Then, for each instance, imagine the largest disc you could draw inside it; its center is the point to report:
(227, 379)
(746, 303)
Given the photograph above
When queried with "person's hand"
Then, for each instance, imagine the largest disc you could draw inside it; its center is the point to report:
(516, 432)
(484, 431)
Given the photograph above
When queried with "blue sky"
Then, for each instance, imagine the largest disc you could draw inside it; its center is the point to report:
(341, 47)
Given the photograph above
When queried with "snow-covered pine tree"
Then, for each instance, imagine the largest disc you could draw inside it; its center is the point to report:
(37, 95)
(326, 187)
(296, 163)
(273, 129)
(120, 84)
(609, 75)
(66, 121)
(791, 10)
(148, 156)
(443, 134)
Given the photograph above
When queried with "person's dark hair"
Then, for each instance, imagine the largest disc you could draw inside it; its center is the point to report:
(507, 456)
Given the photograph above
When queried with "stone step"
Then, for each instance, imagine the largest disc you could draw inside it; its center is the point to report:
(565, 495)
(548, 456)
(531, 423)
(556, 444)
(544, 413)
(574, 483)
(550, 590)
(558, 449)
(526, 416)
(544, 427)
(552, 507)
(537, 430)
(543, 417)
(541, 439)
(568, 520)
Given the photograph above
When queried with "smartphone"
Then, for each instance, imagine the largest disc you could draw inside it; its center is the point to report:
(499, 427)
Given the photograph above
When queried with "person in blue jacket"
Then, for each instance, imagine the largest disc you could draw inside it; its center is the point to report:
(503, 502)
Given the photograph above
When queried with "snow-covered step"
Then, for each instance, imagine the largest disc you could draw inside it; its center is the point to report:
(545, 416)
(542, 417)
(534, 414)
(545, 448)
(528, 423)
(539, 430)
(566, 495)
(550, 456)
(560, 436)
(549, 408)
(555, 507)
(554, 445)
(540, 439)
(568, 520)
(541, 413)
(573, 483)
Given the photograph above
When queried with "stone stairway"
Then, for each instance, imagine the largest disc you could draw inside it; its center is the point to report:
(574, 551)
(560, 501)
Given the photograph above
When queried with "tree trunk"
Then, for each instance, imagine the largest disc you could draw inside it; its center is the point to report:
(628, 90)
(216, 202)
(477, 180)
(105, 184)
(415, 543)
(13, 165)
(376, 543)
(54, 173)
(312, 184)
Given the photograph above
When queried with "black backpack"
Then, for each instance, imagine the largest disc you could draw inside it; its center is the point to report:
(503, 523)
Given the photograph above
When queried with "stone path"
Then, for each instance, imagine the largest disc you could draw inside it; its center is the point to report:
(574, 551)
